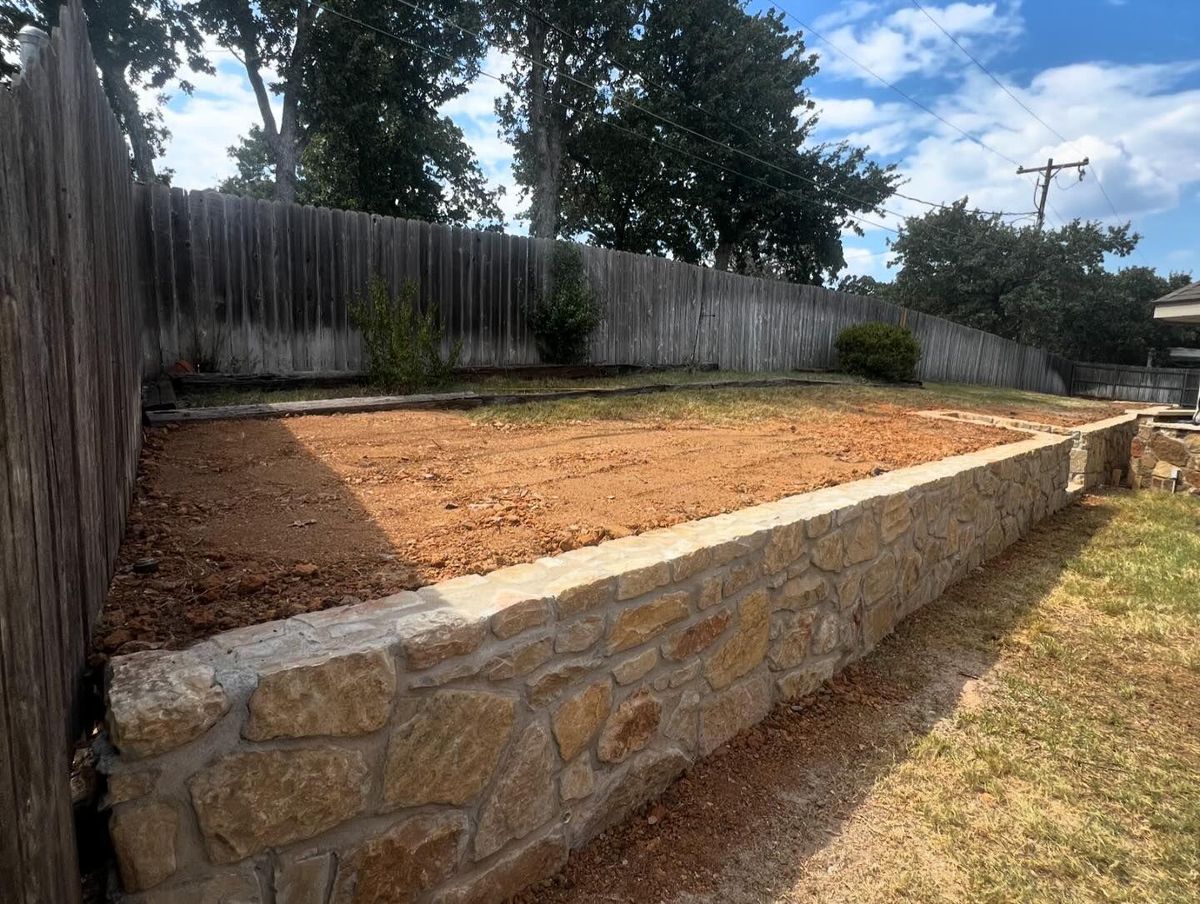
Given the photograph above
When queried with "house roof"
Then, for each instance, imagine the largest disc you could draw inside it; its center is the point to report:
(1180, 306)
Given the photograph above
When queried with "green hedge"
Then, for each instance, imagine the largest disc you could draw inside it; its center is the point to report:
(879, 351)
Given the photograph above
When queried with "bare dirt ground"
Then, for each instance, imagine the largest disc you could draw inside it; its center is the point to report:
(246, 521)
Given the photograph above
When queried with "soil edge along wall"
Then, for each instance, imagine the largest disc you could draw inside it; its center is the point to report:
(454, 743)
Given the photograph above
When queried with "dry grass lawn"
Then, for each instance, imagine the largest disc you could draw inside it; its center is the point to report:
(1033, 736)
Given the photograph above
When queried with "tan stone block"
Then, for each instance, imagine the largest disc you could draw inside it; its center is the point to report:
(629, 728)
(829, 552)
(785, 545)
(862, 541)
(800, 593)
(520, 616)
(689, 564)
(723, 715)
(396, 866)
(1169, 449)
(636, 626)
(879, 579)
(710, 592)
(794, 641)
(160, 700)
(804, 681)
(523, 796)
(636, 667)
(825, 634)
(511, 873)
(303, 881)
(584, 593)
(818, 525)
(445, 747)
(520, 661)
(143, 838)
(126, 786)
(548, 685)
(683, 725)
(895, 519)
(238, 887)
(741, 574)
(578, 719)
(250, 801)
(879, 622)
(641, 580)
(438, 636)
(577, 636)
(697, 637)
(578, 779)
(747, 647)
(848, 589)
(338, 695)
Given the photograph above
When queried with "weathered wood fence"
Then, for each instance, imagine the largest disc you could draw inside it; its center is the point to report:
(247, 286)
(1165, 385)
(69, 433)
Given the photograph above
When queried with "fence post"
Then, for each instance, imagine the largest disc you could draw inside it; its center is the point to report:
(32, 40)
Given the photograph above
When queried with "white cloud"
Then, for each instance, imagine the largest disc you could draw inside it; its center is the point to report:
(906, 43)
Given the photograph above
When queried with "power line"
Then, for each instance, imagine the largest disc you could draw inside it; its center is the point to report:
(630, 71)
(415, 44)
(1021, 103)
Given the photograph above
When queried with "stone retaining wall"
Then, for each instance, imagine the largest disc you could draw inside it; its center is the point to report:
(453, 744)
(1166, 456)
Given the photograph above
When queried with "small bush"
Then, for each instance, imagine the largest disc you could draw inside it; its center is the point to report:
(404, 346)
(563, 321)
(879, 351)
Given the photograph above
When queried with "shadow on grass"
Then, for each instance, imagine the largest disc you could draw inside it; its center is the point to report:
(745, 824)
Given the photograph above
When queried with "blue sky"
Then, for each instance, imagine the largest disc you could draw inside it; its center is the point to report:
(1119, 80)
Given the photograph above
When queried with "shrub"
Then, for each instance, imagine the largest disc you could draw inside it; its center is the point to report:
(879, 351)
(563, 321)
(403, 345)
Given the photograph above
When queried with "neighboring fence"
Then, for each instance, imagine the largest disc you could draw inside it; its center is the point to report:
(255, 286)
(1165, 385)
(69, 433)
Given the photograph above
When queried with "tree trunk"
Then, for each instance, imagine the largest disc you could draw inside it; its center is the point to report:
(723, 255)
(546, 138)
(124, 101)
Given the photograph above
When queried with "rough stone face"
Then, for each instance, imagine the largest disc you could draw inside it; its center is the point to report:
(583, 594)
(125, 786)
(630, 728)
(520, 661)
(747, 647)
(699, 636)
(741, 574)
(828, 552)
(800, 592)
(143, 839)
(240, 887)
(579, 635)
(407, 859)
(641, 780)
(724, 715)
(340, 695)
(636, 581)
(577, 780)
(523, 797)
(710, 592)
(794, 641)
(848, 588)
(633, 627)
(631, 670)
(442, 636)
(250, 801)
(547, 686)
(512, 873)
(1169, 449)
(879, 579)
(784, 547)
(804, 681)
(862, 542)
(512, 620)
(159, 700)
(896, 518)
(580, 717)
(303, 881)
(446, 747)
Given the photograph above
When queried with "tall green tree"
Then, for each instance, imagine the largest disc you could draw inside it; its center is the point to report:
(707, 121)
(562, 67)
(358, 122)
(137, 44)
(1049, 288)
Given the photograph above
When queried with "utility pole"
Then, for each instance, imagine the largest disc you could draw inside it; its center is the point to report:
(1045, 174)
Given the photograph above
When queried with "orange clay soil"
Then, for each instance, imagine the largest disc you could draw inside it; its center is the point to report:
(248, 521)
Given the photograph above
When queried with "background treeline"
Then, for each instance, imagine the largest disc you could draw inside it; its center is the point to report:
(651, 126)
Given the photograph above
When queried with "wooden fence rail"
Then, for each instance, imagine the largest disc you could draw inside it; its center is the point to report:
(248, 286)
(69, 433)
(1165, 385)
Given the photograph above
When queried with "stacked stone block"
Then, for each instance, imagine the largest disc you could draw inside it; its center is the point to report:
(1166, 456)
(455, 743)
